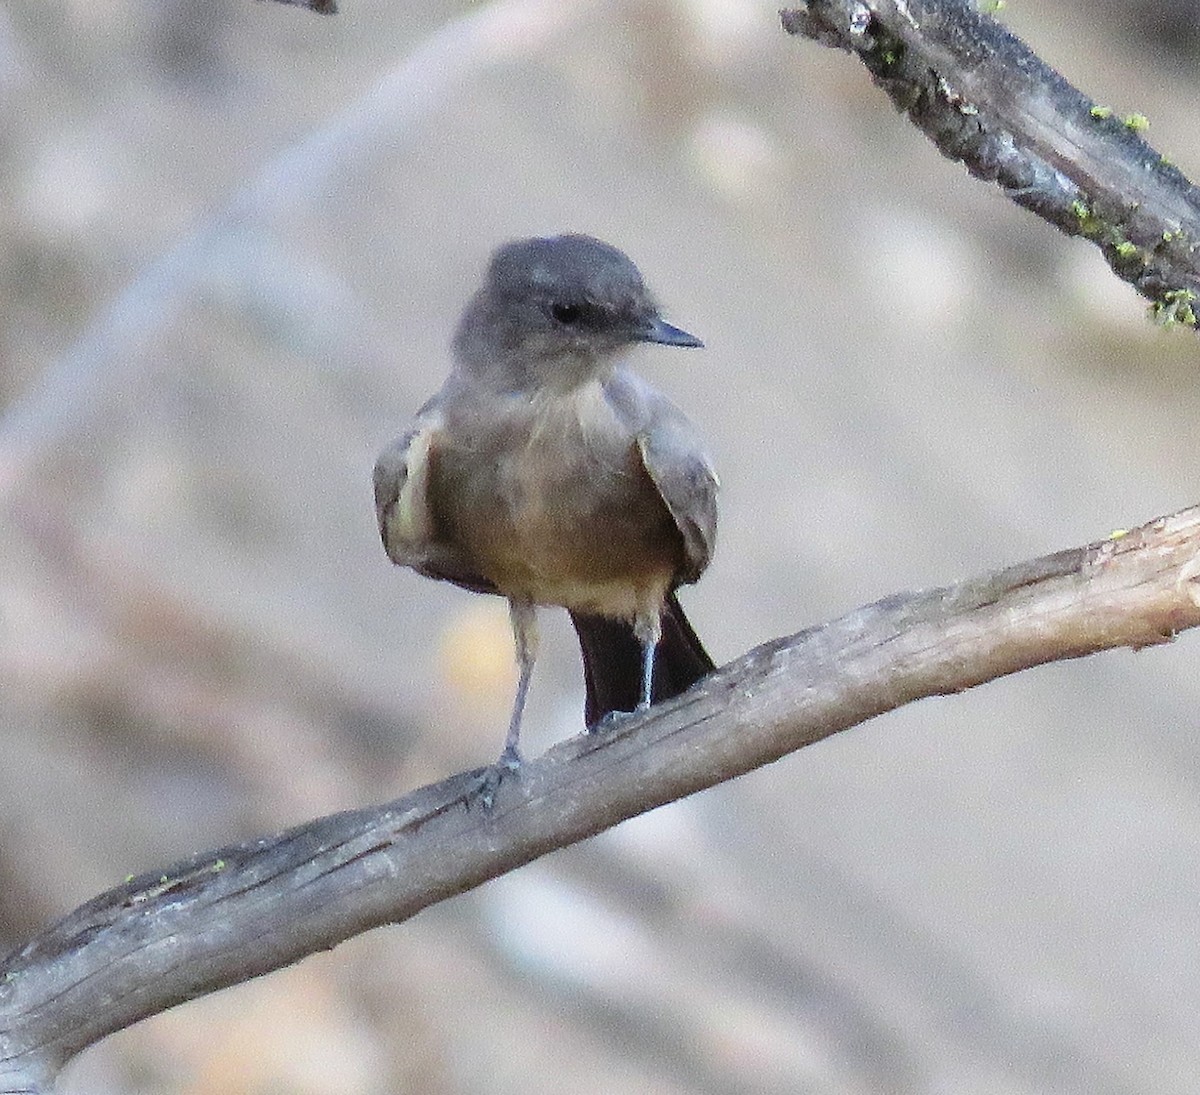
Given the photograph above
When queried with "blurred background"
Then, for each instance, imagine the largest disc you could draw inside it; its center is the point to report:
(235, 239)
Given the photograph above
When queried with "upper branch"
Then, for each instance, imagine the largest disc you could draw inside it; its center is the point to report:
(983, 97)
(232, 914)
(321, 7)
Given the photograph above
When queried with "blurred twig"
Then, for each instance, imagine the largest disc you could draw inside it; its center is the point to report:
(232, 914)
(985, 99)
(109, 360)
(321, 7)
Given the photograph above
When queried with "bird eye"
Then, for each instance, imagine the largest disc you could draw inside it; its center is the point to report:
(566, 313)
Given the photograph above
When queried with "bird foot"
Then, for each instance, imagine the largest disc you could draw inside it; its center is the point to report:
(614, 719)
(488, 781)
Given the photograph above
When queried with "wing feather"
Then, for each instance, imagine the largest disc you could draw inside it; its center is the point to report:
(406, 512)
(678, 465)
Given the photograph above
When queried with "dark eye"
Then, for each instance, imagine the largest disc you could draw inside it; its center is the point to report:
(566, 313)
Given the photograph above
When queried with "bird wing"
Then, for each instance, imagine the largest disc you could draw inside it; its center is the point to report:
(674, 457)
(404, 509)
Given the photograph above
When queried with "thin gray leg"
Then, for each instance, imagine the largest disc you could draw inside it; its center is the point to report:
(647, 630)
(523, 615)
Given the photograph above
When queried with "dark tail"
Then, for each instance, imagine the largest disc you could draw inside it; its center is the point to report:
(612, 661)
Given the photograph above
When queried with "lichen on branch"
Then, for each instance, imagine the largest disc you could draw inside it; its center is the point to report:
(988, 101)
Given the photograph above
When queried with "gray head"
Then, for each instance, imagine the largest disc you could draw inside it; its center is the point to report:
(559, 308)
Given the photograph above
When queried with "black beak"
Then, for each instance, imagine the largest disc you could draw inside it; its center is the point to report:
(656, 330)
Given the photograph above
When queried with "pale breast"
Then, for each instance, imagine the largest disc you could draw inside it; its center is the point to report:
(550, 501)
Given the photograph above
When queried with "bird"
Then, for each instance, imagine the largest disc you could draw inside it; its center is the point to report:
(547, 472)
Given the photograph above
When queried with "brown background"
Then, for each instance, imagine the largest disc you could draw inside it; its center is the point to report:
(234, 247)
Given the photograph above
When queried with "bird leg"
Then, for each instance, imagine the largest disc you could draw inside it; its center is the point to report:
(647, 629)
(523, 616)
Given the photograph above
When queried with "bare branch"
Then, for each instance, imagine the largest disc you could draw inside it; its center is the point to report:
(321, 7)
(229, 915)
(985, 99)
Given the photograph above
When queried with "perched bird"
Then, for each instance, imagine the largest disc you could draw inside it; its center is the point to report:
(546, 472)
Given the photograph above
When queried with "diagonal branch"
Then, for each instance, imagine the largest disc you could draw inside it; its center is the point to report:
(110, 359)
(985, 99)
(226, 916)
